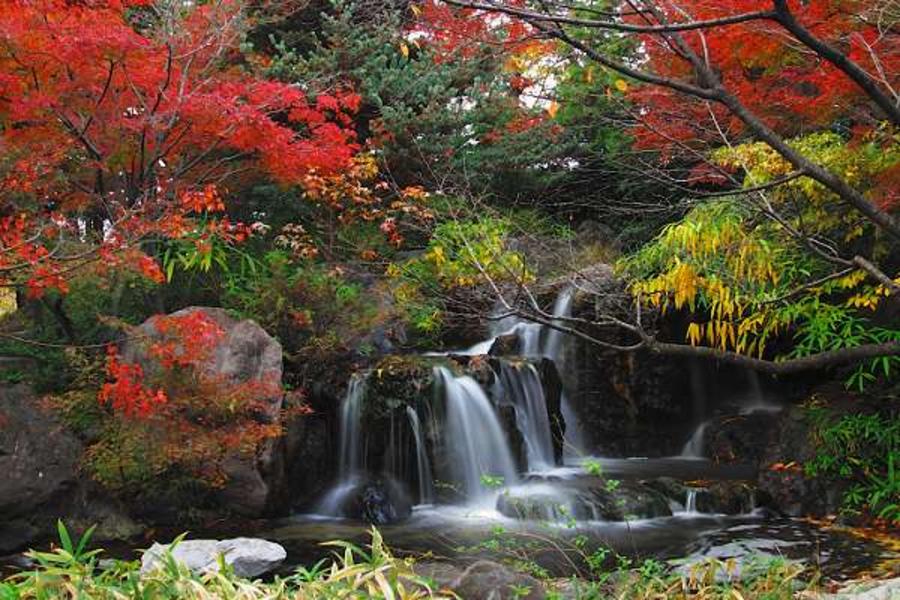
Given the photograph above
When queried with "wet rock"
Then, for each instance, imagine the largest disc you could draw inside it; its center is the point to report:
(505, 345)
(487, 580)
(376, 501)
(727, 497)
(583, 500)
(309, 459)
(788, 490)
(249, 557)
(740, 438)
(244, 354)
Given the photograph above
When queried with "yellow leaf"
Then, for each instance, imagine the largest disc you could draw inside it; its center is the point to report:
(621, 85)
(7, 301)
(404, 50)
(553, 109)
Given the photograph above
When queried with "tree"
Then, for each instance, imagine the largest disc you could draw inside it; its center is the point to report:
(709, 80)
(122, 121)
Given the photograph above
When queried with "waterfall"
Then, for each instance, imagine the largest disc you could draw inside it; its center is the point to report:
(426, 483)
(474, 438)
(524, 390)
(757, 401)
(553, 349)
(690, 501)
(694, 446)
(562, 307)
(351, 413)
(351, 451)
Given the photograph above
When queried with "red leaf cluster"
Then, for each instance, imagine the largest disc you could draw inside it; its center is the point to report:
(125, 391)
(115, 123)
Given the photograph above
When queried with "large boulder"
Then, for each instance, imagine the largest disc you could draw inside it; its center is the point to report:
(248, 557)
(487, 580)
(39, 460)
(244, 354)
(783, 484)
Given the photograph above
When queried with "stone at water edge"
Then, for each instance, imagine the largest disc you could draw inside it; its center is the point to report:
(487, 580)
(249, 557)
(888, 589)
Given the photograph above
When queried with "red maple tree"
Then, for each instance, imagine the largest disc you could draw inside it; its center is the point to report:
(120, 120)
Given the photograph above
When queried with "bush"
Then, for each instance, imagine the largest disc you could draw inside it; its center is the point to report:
(863, 451)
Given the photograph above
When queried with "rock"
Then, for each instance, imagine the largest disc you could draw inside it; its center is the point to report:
(245, 353)
(376, 501)
(505, 345)
(39, 460)
(789, 491)
(487, 580)
(740, 438)
(441, 574)
(584, 499)
(249, 557)
(727, 497)
(869, 590)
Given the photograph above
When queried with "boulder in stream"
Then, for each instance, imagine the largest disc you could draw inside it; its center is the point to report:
(583, 499)
(378, 501)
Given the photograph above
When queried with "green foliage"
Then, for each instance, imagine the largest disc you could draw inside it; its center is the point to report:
(491, 482)
(71, 571)
(428, 115)
(863, 452)
(305, 304)
(461, 254)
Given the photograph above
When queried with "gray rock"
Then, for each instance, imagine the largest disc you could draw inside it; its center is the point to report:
(487, 580)
(39, 461)
(245, 353)
(38, 458)
(40, 483)
(870, 590)
(249, 557)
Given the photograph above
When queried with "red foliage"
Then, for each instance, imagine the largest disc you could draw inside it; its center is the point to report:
(790, 87)
(126, 391)
(187, 340)
(114, 125)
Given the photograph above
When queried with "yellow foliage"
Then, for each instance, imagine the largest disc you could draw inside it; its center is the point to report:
(7, 301)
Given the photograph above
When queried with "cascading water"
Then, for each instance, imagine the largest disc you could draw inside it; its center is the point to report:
(426, 483)
(522, 386)
(351, 451)
(690, 501)
(553, 349)
(474, 438)
(562, 308)
(693, 448)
